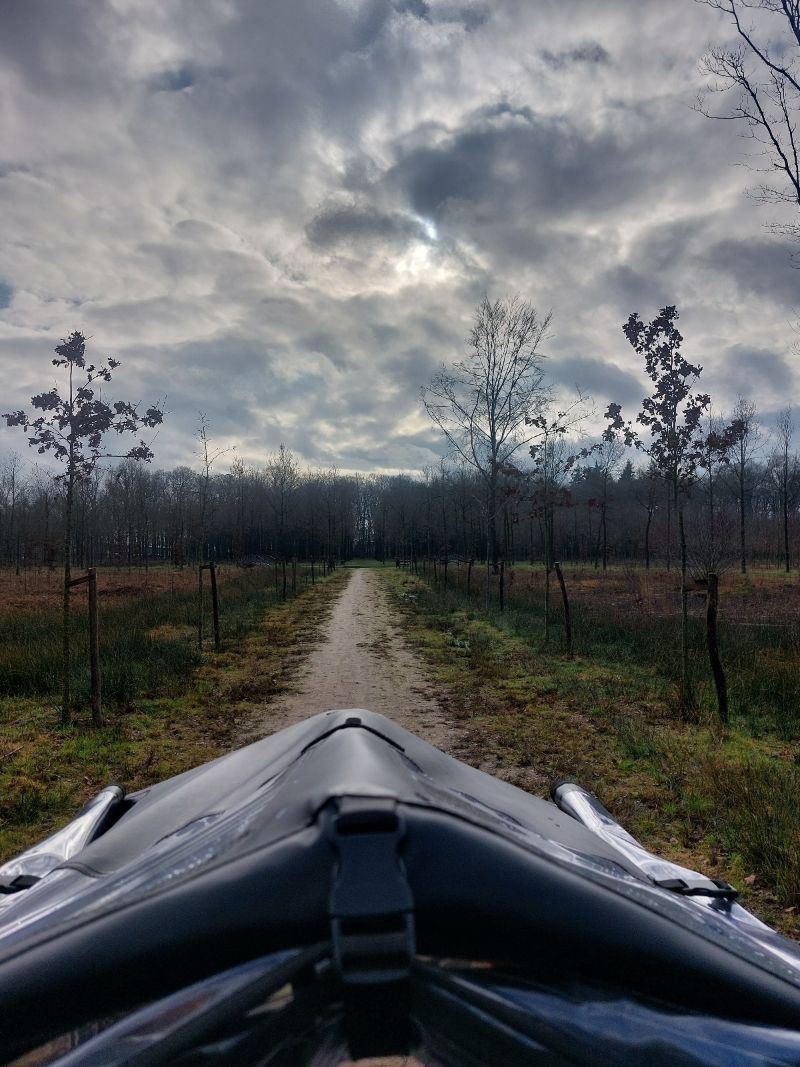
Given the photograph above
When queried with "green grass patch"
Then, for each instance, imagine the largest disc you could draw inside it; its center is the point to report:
(148, 639)
(724, 802)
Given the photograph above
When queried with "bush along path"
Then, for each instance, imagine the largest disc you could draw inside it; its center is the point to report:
(48, 772)
(718, 800)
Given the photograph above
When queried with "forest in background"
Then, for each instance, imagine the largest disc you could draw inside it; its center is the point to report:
(741, 512)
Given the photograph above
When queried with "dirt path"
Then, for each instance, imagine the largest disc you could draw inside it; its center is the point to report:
(362, 662)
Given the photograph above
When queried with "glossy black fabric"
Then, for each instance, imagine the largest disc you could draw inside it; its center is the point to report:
(494, 873)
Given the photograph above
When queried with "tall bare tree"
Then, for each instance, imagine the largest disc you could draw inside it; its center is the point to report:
(782, 472)
(759, 81)
(483, 403)
(742, 467)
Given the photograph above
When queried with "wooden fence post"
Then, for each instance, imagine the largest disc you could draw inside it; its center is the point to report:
(94, 643)
(294, 576)
(200, 607)
(283, 565)
(502, 585)
(94, 650)
(214, 603)
(717, 669)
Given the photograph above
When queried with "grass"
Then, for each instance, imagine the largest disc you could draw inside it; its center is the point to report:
(47, 772)
(148, 633)
(631, 616)
(723, 802)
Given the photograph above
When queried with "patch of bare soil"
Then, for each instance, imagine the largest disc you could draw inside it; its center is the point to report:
(362, 662)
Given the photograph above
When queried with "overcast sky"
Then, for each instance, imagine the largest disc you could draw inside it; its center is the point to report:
(282, 213)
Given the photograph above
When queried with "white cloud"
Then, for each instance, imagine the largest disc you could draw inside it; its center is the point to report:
(283, 214)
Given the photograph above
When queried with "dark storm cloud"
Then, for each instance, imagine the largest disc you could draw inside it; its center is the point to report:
(595, 376)
(173, 81)
(328, 344)
(758, 267)
(754, 371)
(46, 45)
(590, 52)
(468, 15)
(509, 174)
(633, 289)
(414, 7)
(341, 225)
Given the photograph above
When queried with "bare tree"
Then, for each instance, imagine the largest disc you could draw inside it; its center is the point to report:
(762, 75)
(208, 457)
(483, 403)
(283, 478)
(646, 495)
(781, 467)
(742, 466)
(554, 454)
(10, 492)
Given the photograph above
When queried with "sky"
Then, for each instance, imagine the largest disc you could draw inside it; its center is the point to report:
(283, 214)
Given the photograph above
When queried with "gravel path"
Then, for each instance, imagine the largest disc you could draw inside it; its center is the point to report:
(362, 662)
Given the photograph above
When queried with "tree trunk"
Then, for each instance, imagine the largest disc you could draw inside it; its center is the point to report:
(742, 540)
(647, 540)
(200, 605)
(66, 695)
(492, 522)
(713, 648)
(669, 533)
(687, 697)
(786, 511)
(212, 569)
(565, 599)
(94, 650)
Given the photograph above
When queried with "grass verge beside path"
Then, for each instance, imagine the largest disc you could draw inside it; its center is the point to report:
(722, 802)
(47, 773)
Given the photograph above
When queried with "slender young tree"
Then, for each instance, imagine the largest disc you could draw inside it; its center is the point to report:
(677, 445)
(554, 454)
(483, 404)
(72, 427)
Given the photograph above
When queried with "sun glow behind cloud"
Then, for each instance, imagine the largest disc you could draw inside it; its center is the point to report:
(284, 214)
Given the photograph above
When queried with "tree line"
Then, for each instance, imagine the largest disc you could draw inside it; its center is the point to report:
(607, 510)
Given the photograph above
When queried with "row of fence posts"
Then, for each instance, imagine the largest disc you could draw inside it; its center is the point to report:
(90, 579)
(712, 606)
(440, 576)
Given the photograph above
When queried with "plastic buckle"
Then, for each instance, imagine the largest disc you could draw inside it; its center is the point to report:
(706, 887)
(18, 884)
(371, 904)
